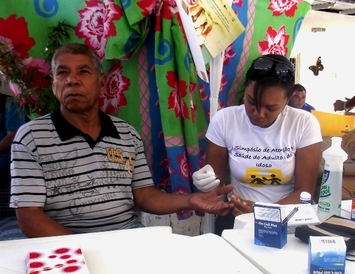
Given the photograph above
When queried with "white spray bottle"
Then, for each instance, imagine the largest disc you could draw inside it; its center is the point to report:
(331, 189)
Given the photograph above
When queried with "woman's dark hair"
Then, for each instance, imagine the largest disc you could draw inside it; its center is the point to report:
(278, 72)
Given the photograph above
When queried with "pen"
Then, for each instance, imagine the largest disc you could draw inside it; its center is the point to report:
(290, 215)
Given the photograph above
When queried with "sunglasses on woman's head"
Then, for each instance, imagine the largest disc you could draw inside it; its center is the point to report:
(283, 70)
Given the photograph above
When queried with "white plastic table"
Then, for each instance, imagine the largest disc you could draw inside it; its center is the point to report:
(291, 259)
(143, 250)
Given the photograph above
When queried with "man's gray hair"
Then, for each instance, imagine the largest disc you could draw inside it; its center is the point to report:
(76, 48)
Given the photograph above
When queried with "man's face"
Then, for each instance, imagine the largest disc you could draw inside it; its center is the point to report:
(76, 83)
(298, 99)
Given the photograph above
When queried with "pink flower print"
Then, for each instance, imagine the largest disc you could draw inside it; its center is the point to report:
(203, 94)
(19, 40)
(275, 43)
(16, 91)
(192, 105)
(40, 64)
(185, 166)
(229, 53)
(181, 190)
(116, 85)
(221, 105)
(238, 3)
(224, 81)
(202, 160)
(175, 101)
(164, 182)
(96, 23)
(166, 164)
(148, 6)
(279, 7)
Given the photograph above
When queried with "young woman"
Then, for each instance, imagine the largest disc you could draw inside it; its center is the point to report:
(271, 149)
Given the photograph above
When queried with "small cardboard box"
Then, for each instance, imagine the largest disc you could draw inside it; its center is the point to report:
(326, 255)
(305, 215)
(56, 260)
(270, 225)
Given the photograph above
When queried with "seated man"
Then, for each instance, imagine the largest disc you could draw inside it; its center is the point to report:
(79, 170)
(298, 100)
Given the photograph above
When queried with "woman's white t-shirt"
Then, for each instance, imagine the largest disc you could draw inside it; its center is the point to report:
(262, 160)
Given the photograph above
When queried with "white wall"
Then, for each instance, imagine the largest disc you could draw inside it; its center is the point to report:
(336, 46)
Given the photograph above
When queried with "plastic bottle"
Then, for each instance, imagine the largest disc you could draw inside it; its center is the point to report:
(305, 197)
(331, 189)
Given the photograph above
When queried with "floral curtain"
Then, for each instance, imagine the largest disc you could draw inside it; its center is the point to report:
(152, 82)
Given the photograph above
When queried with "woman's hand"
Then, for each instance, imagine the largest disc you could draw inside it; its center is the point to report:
(241, 206)
(210, 202)
(205, 179)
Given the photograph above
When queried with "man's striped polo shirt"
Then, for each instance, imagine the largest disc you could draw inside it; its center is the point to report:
(83, 184)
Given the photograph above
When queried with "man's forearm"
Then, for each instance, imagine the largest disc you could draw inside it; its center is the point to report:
(152, 200)
(35, 223)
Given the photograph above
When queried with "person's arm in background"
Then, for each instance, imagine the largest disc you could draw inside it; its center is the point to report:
(5, 143)
(344, 105)
(348, 143)
(14, 118)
